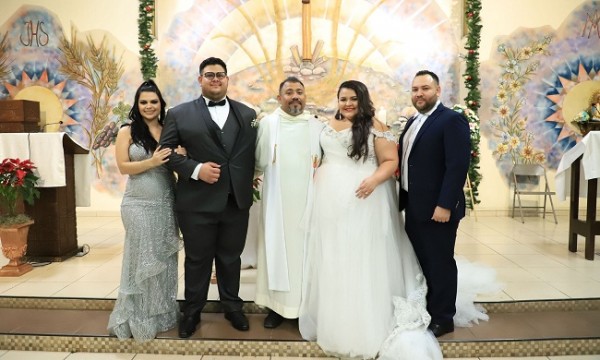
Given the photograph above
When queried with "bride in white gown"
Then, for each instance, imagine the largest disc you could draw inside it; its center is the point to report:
(364, 292)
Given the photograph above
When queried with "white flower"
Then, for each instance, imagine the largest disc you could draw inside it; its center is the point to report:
(515, 86)
(527, 152)
(514, 142)
(501, 96)
(539, 158)
(525, 53)
(503, 111)
(512, 66)
(502, 148)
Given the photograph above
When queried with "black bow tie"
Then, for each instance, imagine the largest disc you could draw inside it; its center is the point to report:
(216, 103)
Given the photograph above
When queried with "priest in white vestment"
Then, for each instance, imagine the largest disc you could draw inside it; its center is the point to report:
(288, 153)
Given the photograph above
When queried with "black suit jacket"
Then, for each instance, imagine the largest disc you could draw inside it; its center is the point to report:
(438, 165)
(191, 126)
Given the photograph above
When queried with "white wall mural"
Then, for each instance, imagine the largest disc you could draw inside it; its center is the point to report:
(87, 80)
(534, 85)
(323, 42)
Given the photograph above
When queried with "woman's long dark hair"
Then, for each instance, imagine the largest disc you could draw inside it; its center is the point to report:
(140, 133)
(362, 122)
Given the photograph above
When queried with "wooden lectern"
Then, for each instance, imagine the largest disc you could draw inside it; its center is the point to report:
(53, 236)
(19, 116)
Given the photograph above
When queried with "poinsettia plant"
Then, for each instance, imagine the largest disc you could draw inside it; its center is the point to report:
(17, 182)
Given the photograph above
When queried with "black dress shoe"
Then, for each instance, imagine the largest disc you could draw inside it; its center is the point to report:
(238, 320)
(441, 329)
(187, 326)
(273, 320)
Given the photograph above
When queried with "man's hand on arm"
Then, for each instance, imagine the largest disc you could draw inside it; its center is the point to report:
(209, 172)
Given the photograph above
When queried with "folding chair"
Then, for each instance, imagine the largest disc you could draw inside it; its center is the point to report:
(531, 172)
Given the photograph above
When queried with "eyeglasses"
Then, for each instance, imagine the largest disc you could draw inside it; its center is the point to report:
(211, 75)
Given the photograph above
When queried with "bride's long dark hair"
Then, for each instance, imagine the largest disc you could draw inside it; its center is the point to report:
(140, 134)
(362, 122)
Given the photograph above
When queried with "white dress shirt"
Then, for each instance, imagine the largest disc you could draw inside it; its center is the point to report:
(408, 141)
(219, 115)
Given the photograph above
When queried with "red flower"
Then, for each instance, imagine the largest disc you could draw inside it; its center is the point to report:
(20, 174)
(17, 182)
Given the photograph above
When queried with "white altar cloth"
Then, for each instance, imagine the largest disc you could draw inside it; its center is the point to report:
(589, 147)
(46, 152)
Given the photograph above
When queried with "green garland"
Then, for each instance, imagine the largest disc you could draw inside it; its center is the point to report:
(148, 58)
(472, 81)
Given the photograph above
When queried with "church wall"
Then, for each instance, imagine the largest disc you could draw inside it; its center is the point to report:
(117, 20)
(501, 18)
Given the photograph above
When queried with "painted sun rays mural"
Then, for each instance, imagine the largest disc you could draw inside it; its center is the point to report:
(537, 81)
(72, 79)
(32, 64)
(382, 43)
(87, 80)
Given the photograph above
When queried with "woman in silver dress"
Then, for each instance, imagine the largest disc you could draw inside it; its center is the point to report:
(147, 300)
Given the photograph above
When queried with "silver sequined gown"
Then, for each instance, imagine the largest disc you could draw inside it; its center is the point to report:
(147, 300)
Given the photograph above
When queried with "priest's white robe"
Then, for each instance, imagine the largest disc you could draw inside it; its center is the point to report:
(288, 153)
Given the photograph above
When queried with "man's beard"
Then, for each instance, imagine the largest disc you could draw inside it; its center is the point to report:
(295, 109)
(426, 107)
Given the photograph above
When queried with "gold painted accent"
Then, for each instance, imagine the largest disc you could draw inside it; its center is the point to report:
(306, 31)
(94, 67)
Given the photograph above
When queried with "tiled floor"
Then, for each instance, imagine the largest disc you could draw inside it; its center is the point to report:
(531, 259)
(29, 355)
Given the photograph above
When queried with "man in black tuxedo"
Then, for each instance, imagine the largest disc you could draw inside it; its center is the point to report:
(434, 153)
(214, 191)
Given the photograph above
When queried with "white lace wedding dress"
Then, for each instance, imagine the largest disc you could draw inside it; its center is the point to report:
(364, 292)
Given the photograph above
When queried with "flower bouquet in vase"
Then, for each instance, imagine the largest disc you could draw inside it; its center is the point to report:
(17, 183)
(584, 123)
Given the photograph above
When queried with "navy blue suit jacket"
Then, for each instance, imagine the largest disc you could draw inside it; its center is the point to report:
(438, 165)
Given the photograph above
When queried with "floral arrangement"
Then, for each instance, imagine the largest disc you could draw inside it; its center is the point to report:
(589, 119)
(17, 181)
(473, 173)
(582, 117)
(507, 124)
(585, 122)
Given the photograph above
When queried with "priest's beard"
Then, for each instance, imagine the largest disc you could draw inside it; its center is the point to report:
(295, 109)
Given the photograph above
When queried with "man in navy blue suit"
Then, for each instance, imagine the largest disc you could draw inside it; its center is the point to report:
(434, 155)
